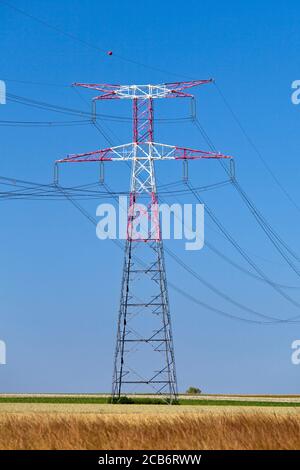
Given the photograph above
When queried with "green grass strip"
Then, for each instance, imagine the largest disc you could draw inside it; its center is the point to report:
(142, 401)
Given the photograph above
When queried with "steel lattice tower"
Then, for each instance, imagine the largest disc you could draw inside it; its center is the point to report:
(144, 322)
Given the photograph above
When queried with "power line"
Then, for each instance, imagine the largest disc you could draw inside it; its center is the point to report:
(217, 291)
(256, 150)
(244, 270)
(210, 286)
(263, 222)
(84, 42)
(32, 190)
(43, 123)
(193, 273)
(231, 240)
(29, 82)
(275, 239)
(222, 312)
(174, 286)
(45, 106)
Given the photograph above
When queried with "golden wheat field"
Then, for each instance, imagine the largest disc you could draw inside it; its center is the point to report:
(213, 428)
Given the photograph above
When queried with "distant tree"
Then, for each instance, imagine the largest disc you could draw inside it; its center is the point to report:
(193, 391)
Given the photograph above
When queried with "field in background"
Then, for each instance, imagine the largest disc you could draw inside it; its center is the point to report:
(201, 400)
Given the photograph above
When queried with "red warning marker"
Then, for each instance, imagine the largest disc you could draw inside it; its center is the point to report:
(109, 53)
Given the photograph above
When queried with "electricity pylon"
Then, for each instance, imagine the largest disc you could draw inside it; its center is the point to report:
(144, 320)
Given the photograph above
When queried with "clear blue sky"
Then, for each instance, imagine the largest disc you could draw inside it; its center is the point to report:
(59, 285)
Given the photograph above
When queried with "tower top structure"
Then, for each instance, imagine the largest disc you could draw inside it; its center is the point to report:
(163, 90)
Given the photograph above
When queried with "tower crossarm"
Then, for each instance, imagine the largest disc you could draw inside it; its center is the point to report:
(164, 90)
(143, 151)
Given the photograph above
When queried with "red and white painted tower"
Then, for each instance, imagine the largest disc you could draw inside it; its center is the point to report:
(144, 322)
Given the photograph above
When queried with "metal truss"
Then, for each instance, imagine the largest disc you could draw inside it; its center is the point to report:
(142, 151)
(142, 92)
(144, 321)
